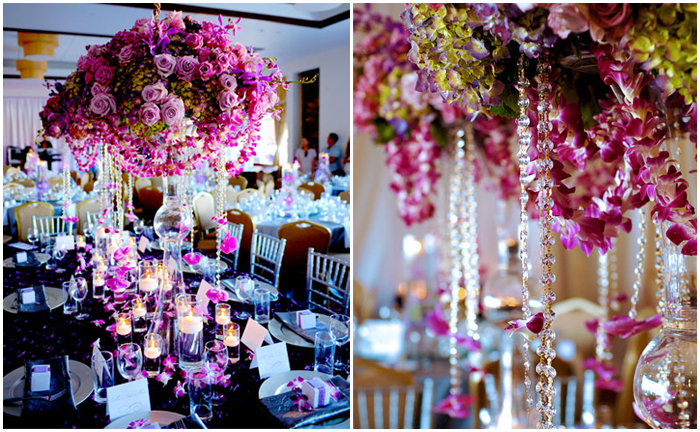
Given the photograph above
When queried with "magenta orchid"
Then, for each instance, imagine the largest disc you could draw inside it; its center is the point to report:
(528, 328)
(179, 389)
(164, 377)
(626, 326)
(455, 406)
(192, 258)
(437, 324)
(169, 363)
(217, 295)
(229, 244)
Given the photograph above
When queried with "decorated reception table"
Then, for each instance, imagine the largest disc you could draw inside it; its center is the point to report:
(42, 335)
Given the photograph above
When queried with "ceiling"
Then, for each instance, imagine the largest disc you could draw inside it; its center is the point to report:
(283, 30)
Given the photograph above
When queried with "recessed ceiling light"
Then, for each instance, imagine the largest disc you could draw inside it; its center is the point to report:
(315, 7)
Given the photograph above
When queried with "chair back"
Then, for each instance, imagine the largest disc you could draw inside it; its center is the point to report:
(239, 181)
(157, 182)
(235, 230)
(84, 179)
(345, 196)
(91, 217)
(242, 218)
(230, 197)
(266, 254)
(10, 188)
(246, 194)
(82, 208)
(316, 188)
(328, 283)
(142, 183)
(151, 200)
(300, 236)
(204, 210)
(572, 315)
(25, 216)
(53, 225)
(55, 182)
(269, 188)
(26, 182)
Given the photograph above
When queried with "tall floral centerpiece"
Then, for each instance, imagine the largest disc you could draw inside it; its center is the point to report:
(602, 96)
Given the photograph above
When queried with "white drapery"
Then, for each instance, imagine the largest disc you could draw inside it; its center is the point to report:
(21, 122)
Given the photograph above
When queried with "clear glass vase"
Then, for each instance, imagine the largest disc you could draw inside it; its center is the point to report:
(665, 380)
(172, 223)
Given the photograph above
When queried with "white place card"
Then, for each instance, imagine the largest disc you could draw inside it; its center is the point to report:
(128, 398)
(143, 244)
(21, 257)
(271, 360)
(204, 286)
(254, 335)
(66, 242)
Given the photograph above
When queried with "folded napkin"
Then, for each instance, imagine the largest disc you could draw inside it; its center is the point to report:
(40, 305)
(290, 320)
(287, 411)
(32, 260)
(192, 421)
(60, 381)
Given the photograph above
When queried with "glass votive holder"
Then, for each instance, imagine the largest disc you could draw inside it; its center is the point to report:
(324, 352)
(222, 317)
(98, 284)
(70, 304)
(191, 334)
(261, 301)
(152, 350)
(80, 241)
(123, 328)
(138, 312)
(148, 283)
(232, 341)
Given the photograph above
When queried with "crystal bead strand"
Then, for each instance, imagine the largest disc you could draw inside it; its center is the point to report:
(66, 177)
(546, 351)
(220, 229)
(614, 304)
(470, 257)
(659, 268)
(602, 350)
(524, 138)
(639, 268)
(102, 163)
(456, 239)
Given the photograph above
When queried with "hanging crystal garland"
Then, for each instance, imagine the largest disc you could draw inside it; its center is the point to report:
(613, 292)
(457, 208)
(602, 349)
(222, 180)
(524, 138)
(659, 267)
(546, 351)
(470, 254)
(639, 268)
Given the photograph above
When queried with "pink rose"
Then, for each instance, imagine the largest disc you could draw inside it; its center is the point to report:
(103, 104)
(98, 88)
(228, 82)
(154, 92)
(173, 111)
(165, 64)
(104, 75)
(194, 40)
(95, 50)
(142, 26)
(227, 100)
(205, 70)
(223, 61)
(149, 113)
(125, 54)
(186, 67)
(175, 19)
(566, 18)
(615, 17)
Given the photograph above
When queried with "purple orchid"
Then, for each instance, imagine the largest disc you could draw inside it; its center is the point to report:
(137, 424)
(301, 401)
(179, 389)
(70, 219)
(131, 216)
(98, 322)
(626, 326)
(612, 384)
(528, 328)
(169, 363)
(229, 245)
(455, 406)
(216, 295)
(296, 383)
(121, 253)
(164, 378)
(192, 258)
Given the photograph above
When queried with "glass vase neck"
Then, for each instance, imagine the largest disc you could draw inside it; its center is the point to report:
(680, 311)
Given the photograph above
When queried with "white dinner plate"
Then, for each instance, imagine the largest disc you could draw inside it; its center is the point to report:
(186, 268)
(277, 384)
(13, 385)
(274, 294)
(10, 262)
(163, 418)
(54, 298)
(284, 334)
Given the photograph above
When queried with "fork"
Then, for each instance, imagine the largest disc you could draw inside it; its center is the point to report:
(49, 398)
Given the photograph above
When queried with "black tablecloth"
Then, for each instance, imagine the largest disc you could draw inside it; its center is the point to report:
(35, 336)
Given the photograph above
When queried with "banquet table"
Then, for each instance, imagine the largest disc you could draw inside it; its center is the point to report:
(339, 232)
(42, 335)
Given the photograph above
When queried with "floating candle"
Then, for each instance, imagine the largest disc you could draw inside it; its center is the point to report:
(152, 352)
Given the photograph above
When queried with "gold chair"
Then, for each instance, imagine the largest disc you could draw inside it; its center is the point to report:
(242, 218)
(204, 210)
(151, 200)
(55, 182)
(5, 168)
(239, 181)
(25, 216)
(300, 236)
(157, 182)
(246, 194)
(316, 188)
(74, 176)
(572, 315)
(141, 183)
(6, 239)
(364, 302)
(10, 188)
(85, 179)
(82, 208)
(26, 182)
(345, 196)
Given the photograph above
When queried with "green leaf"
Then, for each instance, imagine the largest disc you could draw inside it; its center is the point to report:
(385, 132)
(509, 104)
(439, 134)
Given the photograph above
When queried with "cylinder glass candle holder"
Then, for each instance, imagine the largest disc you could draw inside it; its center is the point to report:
(261, 302)
(191, 334)
(152, 351)
(232, 339)
(124, 328)
(148, 285)
(222, 317)
(98, 284)
(138, 312)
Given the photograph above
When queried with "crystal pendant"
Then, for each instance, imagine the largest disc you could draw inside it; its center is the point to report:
(665, 380)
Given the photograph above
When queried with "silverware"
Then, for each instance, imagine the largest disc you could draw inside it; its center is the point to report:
(49, 398)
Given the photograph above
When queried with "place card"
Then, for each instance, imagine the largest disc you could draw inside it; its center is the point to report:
(254, 335)
(204, 286)
(66, 242)
(128, 398)
(143, 244)
(271, 360)
(21, 257)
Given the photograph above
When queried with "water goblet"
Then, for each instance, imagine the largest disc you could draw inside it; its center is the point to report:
(78, 291)
(215, 361)
(32, 236)
(340, 328)
(244, 291)
(138, 227)
(129, 360)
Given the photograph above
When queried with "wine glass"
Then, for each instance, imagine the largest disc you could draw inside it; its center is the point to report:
(244, 290)
(59, 253)
(32, 236)
(79, 291)
(215, 361)
(340, 328)
(87, 230)
(138, 227)
(129, 360)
